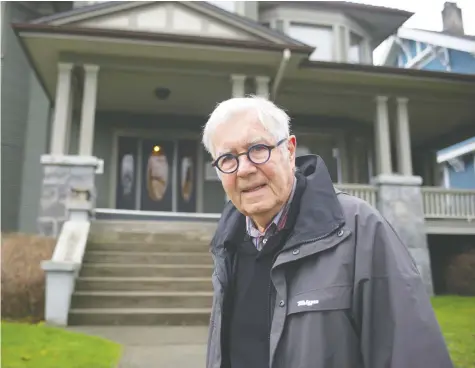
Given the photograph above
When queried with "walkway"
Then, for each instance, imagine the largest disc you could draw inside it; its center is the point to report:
(156, 346)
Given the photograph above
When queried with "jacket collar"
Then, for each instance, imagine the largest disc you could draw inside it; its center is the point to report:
(320, 211)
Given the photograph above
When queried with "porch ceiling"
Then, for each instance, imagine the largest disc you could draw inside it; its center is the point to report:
(133, 91)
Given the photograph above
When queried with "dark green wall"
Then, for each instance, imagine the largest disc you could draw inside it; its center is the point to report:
(20, 94)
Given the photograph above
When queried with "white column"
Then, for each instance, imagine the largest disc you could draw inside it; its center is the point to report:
(383, 141)
(61, 109)
(337, 40)
(404, 157)
(69, 120)
(238, 88)
(262, 86)
(88, 112)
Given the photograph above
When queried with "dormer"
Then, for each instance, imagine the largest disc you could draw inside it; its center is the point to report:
(339, 31)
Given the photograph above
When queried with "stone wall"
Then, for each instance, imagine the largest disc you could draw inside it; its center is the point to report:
(400, 202)
(63, 176)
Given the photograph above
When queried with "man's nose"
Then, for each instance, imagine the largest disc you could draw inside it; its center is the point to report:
(246, 167)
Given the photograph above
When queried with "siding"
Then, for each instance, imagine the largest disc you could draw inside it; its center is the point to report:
(462, 62)
(36, 141)
(464, 179)
(15, 93)
(435, 65)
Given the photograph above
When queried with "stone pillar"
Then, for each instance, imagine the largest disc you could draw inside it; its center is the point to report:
(403, 138)
(262, 86)
(62, 108)
(382, 136)
(88, 112)
(400, 202)
(238, 85)
(64, 177)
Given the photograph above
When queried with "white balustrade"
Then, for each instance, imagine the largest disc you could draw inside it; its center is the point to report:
(364, 191)
(441, 203)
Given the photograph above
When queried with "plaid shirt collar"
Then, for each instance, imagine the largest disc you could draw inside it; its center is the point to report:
(276, 225)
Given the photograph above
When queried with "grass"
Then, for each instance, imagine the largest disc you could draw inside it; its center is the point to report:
(39, 346)
(456, 316)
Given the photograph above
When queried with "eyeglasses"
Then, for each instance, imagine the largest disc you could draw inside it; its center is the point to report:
(258, 154)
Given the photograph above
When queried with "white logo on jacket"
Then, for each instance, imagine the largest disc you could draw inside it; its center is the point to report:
(306, 303)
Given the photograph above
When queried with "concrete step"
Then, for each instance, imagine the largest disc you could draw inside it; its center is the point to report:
(147, 257)
(144, 284)
(121, 231)
(144, 270)
(142, 299)
(159, 246)
(139, 317)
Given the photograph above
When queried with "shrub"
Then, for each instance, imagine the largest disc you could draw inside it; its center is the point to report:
(23, 280)
(461, 273)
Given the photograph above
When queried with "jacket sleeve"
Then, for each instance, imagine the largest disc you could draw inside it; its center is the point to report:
(393, 313)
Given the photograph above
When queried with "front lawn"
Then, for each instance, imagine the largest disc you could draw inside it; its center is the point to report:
(456, 316)
(39, 346)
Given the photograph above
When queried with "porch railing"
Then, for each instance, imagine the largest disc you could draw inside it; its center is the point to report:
(364, 191)
(442, 203)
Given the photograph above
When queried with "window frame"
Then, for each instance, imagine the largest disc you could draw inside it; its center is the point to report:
(317, 26)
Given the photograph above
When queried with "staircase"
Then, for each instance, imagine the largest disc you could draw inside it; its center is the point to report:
(145, 273)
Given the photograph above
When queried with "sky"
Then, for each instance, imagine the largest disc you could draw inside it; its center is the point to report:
(427, 15)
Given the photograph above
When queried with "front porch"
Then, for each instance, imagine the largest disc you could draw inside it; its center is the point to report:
(142, 121)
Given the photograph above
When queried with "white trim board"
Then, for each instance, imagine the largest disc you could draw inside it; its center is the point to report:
(457, 152)
(437, 39)
(430, 38)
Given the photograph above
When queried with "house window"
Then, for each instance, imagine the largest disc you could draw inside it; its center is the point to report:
(355, 53)
(320, 37)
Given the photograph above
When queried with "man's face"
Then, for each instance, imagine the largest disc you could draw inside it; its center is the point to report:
(255, 190)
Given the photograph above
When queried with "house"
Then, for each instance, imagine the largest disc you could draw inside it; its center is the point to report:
(120, 91)
(458, 162)
(448, 51)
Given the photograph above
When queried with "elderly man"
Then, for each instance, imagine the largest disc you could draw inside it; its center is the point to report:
(305, 276)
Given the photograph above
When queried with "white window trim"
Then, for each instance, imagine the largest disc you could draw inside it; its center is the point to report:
(363, 44)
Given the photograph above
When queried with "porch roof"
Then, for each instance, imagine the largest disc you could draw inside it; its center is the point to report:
(440, 102)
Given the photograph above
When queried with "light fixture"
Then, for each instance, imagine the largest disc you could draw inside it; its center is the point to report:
(162, 93)
(156, 149)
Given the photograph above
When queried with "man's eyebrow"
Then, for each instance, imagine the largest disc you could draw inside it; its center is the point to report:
(258, 139)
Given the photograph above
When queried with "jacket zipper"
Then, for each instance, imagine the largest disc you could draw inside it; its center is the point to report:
(270, 278)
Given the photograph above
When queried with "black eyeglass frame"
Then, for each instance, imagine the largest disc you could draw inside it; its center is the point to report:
(247, 153)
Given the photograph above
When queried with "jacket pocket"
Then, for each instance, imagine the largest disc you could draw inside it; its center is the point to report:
(325, 299)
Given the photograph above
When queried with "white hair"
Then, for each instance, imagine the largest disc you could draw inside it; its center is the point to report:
(273, 119)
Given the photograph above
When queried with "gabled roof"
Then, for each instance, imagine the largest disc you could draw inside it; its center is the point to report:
(463, 43)
(457, 150)
(85, 13)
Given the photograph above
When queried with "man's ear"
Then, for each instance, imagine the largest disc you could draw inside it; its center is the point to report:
(292, 146)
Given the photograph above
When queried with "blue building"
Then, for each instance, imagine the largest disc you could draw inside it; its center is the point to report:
(450, 50)
(458, 162)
